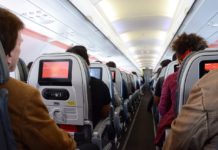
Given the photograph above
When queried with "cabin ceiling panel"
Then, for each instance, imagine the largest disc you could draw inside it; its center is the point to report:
(144, 42)
(142, 23)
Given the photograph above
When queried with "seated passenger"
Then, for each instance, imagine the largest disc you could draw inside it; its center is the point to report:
(99, 91)
(31, 124)
(196, 125)
(183, 45)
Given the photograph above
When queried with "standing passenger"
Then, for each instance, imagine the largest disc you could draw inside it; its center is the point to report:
(183, 46)
(31, 124)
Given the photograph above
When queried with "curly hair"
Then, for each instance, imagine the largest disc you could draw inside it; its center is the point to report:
(191, 42)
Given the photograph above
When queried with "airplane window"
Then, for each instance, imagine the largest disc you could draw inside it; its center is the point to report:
(55, 72)
(206, 66)
(96, 72)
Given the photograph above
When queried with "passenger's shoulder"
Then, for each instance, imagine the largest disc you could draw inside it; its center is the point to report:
(13, 84)
(209, 79)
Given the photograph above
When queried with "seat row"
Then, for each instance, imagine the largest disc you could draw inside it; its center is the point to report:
(63, 81)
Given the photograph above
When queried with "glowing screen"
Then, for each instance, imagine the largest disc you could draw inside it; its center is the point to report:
(55, 69)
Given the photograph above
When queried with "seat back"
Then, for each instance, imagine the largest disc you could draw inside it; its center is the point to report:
(117, 79)
(171, 68)
(23, 70)
(125, 78)
(63, 81)
(102, 72)
(192, 69)
(7, 141)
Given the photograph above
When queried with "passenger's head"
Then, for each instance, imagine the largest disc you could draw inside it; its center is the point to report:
(81, 51)
(10, 36)
(133, 72)
(187, 43)
(165, 62)
(111, 64)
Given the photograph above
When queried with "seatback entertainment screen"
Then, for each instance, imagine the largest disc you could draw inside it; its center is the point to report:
(55, 72)
(96, 72)
(206, 66)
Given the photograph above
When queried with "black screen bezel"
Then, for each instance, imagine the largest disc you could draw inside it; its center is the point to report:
(55, 81)
(100, 72)
(202, 65)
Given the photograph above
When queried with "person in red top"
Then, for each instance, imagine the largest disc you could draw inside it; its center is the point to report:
(183, 46)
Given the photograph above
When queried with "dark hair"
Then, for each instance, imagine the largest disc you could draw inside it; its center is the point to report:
(165, 62)
(10, 25)
(133, 72)
(190, 42)
(98, 61)
(111, 64)
(174, 57)
(81, 51)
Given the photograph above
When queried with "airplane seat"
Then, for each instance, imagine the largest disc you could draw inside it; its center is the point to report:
(128, 90)
(102, 72)
(192, 69)
(63, 81)
(7, 141)
(23, 71)
(134, 98)
(118, 90)
(171, 68)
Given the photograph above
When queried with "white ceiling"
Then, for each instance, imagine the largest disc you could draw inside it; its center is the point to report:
(143, 28)
(61, 21)
(134, 34)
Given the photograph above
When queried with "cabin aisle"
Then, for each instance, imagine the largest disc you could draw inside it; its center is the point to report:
(142, 135)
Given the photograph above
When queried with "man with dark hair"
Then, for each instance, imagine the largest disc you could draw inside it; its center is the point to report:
(111, 64)
(31, 124)
(99, 91)
(183, 46)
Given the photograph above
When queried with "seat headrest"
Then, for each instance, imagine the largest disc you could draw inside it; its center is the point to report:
(4, 72)
(104, 74)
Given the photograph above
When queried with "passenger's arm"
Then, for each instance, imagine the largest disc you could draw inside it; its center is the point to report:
(165, 98)
(40, 132)
(189, 130)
